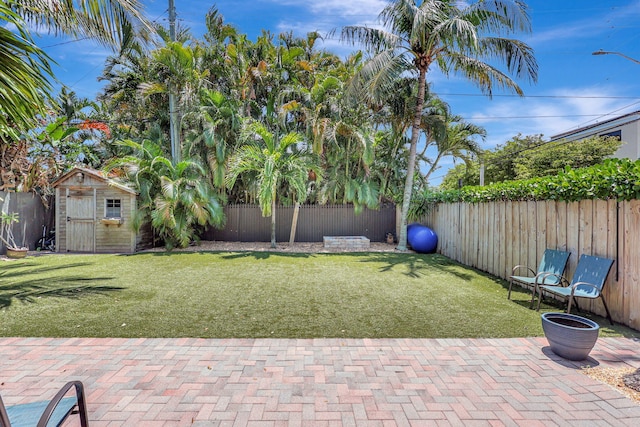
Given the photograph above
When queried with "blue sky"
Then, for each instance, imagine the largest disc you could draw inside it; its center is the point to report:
(574, 87)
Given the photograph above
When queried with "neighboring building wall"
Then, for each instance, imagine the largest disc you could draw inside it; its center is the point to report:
(626, 127)
(631, 142)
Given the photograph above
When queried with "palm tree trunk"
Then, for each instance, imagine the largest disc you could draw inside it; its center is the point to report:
(408, 185)
(273, 223)
(294, 223)
(433, 166)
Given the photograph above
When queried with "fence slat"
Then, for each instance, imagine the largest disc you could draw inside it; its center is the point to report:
(552, 229)
(508, 238)
(613, 232)
(632, 267)
(499, 241)
(573, 236)
(482, 235)
(474, 235)
(541, 228)
(531, 232)
(561, 228)
(491, 222)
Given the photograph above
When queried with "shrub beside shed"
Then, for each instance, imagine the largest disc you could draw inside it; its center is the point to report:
(93, 213)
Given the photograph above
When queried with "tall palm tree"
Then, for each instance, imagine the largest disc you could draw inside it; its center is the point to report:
(177, 198)
(397, 115)
(212, 132)
(272, 160)
(24, 68)
(450, 35)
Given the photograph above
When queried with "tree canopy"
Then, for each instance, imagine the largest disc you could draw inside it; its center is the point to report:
(524, 157)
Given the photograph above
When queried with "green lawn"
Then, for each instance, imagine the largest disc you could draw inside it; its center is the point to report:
(260, 294)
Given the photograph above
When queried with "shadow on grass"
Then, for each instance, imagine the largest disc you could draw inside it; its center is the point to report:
(17, 284)
(265, 255)
(415, 265)
(418, 265)
(232, 254)
(23, 269)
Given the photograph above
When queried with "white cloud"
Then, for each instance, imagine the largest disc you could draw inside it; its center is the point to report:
(328, 18)
(339, 9)
(559, 111)
(10, 26)
(332, 14)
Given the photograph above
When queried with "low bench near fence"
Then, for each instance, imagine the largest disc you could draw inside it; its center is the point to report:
(352, 243)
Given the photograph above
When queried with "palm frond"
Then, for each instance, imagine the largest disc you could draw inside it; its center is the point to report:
(499, 16)
(398, 16)
(483, 75)
(371, 39)
(516, 55)
(455, 34)
(375, 81)
(102, 20)
(24, 76)
(292, 138)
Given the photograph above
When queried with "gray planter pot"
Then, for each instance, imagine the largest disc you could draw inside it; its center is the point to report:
(570, 336)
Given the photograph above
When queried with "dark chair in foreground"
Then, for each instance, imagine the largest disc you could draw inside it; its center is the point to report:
(47, 413)
(587, 282)
(550, 270)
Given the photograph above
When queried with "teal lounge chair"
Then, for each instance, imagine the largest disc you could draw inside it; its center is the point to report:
(587, 282)
(550, 270)
(47, 413)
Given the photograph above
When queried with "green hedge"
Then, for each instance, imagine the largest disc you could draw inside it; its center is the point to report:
(613, 179)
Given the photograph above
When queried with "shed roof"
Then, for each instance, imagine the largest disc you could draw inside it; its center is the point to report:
(94, 173)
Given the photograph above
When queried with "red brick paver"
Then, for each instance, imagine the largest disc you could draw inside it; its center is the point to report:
(322, 382)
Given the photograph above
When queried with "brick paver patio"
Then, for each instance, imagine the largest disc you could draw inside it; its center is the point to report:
(322, 382)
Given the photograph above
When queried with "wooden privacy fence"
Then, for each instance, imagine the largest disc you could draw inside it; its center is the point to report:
(245, 223)
(495, 236)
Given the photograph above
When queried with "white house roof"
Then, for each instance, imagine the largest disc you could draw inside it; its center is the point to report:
(598, 128)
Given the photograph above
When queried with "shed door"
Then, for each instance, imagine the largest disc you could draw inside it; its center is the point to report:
(80, 222)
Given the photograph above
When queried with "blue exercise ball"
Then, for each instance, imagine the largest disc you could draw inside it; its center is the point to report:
(422, 239)
(412, 229)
